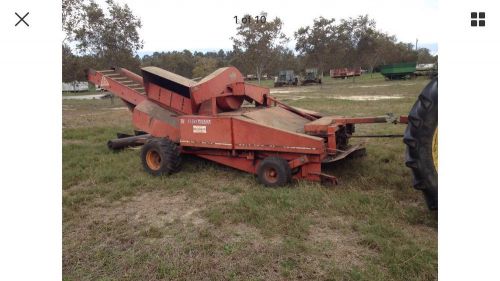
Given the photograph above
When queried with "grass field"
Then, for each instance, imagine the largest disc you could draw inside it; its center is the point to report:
(210, 222)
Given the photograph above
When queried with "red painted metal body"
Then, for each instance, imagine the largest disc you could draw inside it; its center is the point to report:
(209, 119)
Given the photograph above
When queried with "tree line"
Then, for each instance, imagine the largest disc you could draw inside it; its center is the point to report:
(100, 37)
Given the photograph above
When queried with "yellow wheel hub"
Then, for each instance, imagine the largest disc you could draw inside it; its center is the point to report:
(435, 149)
(153, 159)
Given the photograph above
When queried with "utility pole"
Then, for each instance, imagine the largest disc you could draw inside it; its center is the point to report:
(416, 48)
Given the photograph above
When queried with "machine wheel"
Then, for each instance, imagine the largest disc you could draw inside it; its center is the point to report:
(421, 143)
(161, 156)
(274, 171)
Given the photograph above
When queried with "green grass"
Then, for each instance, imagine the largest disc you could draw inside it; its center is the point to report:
(213, 222)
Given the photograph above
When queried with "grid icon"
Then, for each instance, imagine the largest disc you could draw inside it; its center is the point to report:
(474, 19)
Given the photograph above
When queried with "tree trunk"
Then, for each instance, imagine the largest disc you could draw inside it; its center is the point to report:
(259, 71)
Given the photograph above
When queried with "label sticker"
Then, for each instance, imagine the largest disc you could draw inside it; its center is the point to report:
(199, 129)
(104, 82)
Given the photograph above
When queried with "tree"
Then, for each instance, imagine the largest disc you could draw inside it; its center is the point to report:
(204, 66)
(256, 42)
(112, 37)
(424, 56)
(98, 39)
(316, 43)
(327, 44)
(284, 58)
(73, 67)
(69, 66)
(181, 63)
(72, 13)
(375, 48)
(352, 42)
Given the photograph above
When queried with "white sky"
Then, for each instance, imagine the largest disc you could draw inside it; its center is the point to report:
(208, 25)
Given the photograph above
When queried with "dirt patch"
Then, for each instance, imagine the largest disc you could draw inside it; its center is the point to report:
(290, 90)
(241, 232)
(382, 85)
(290, 98)
(83, 97)
(115, 108)
(351, 98)
(114, 116)
(339, 244)
(157, 209)
(420, 232)
(366, 98)
(152, 208)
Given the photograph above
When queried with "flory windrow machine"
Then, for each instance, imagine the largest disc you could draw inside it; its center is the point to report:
(223, 119)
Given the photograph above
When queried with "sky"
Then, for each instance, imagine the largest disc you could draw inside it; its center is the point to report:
(208, 25)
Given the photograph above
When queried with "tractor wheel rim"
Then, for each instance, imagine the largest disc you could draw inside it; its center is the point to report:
(153, 159)
(435, 149)
(271, 175)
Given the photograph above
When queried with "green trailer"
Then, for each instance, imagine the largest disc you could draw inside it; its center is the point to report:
(399, 70)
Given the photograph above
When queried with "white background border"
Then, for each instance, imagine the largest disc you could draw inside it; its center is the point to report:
(30, 192)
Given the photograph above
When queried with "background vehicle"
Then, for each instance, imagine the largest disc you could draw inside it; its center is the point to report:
(399, 70)
(311, 76)
(344, 73)
(286, 77)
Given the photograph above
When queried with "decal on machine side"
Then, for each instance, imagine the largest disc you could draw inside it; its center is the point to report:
(104, 82)
(197, 129)
(199, 121)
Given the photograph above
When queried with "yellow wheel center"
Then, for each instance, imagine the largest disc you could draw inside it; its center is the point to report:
(435, 149)
(153, 159)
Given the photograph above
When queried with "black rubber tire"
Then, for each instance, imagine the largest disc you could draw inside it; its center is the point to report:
(281, 168)
(168, 152)
(422, 124)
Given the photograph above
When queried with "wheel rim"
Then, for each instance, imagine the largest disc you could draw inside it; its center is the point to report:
(153, 159)
(435, 149)
(271, 175)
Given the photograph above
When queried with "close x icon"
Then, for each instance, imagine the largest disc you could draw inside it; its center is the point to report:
(474, 17)
(21, 19)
